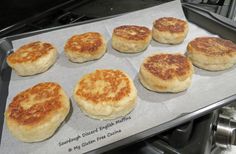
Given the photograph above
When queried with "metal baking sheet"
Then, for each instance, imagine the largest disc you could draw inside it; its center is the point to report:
(154, 111)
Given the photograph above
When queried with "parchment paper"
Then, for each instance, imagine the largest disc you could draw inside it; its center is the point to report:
(80, 133)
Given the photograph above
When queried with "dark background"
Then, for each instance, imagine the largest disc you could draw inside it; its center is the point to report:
(13, 11)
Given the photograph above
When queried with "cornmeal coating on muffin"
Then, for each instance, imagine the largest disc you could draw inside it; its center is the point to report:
(105, 94)
(212, 53)
(85, 47)
(162, 72)
(35, 113)
(131, 38)
(32, 58)
(169, 30)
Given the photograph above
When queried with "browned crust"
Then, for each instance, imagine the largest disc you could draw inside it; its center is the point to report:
(132, 32)
(87, 42)
(112, 78)
(47, 97)
(168, 66)
(30, 52)
(213, 46)
(170, 24)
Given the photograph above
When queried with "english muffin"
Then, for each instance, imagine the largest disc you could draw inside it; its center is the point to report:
(212, 53)
(35, 113)
(32, 58)
(131, 38)
(163, 72)
(169, 30)
(85, 47)
(105, 94)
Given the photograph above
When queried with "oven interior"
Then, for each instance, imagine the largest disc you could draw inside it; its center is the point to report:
(200, 135)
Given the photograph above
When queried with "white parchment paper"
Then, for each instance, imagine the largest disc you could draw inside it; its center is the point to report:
(79, 133)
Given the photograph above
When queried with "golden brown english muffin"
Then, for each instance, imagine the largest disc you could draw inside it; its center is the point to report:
(163, 72)
(32, 58)
(85, 47)
(212, 53)
(131, 38)
(35, 114)
(169, 30)
(106, 94)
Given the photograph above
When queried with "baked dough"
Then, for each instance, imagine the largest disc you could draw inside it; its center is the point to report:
(131, 38)
(169, 30)
(105, 94)
(212, 53)
(35, 114)
(163, 72)
(85, 47)
(32, 58)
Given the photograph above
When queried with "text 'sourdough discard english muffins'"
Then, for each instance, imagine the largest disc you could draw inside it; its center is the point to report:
(35, 113)
(169, 30)
(85, 47)
(32, 58)
(131, 38)
(166, 72)
(106, 94)
(212, 53)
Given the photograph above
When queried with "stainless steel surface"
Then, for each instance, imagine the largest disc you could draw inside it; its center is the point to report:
(5, 49)
(225, 132)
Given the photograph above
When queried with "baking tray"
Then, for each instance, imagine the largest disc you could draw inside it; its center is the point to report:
(210, 21)
(6, 48)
